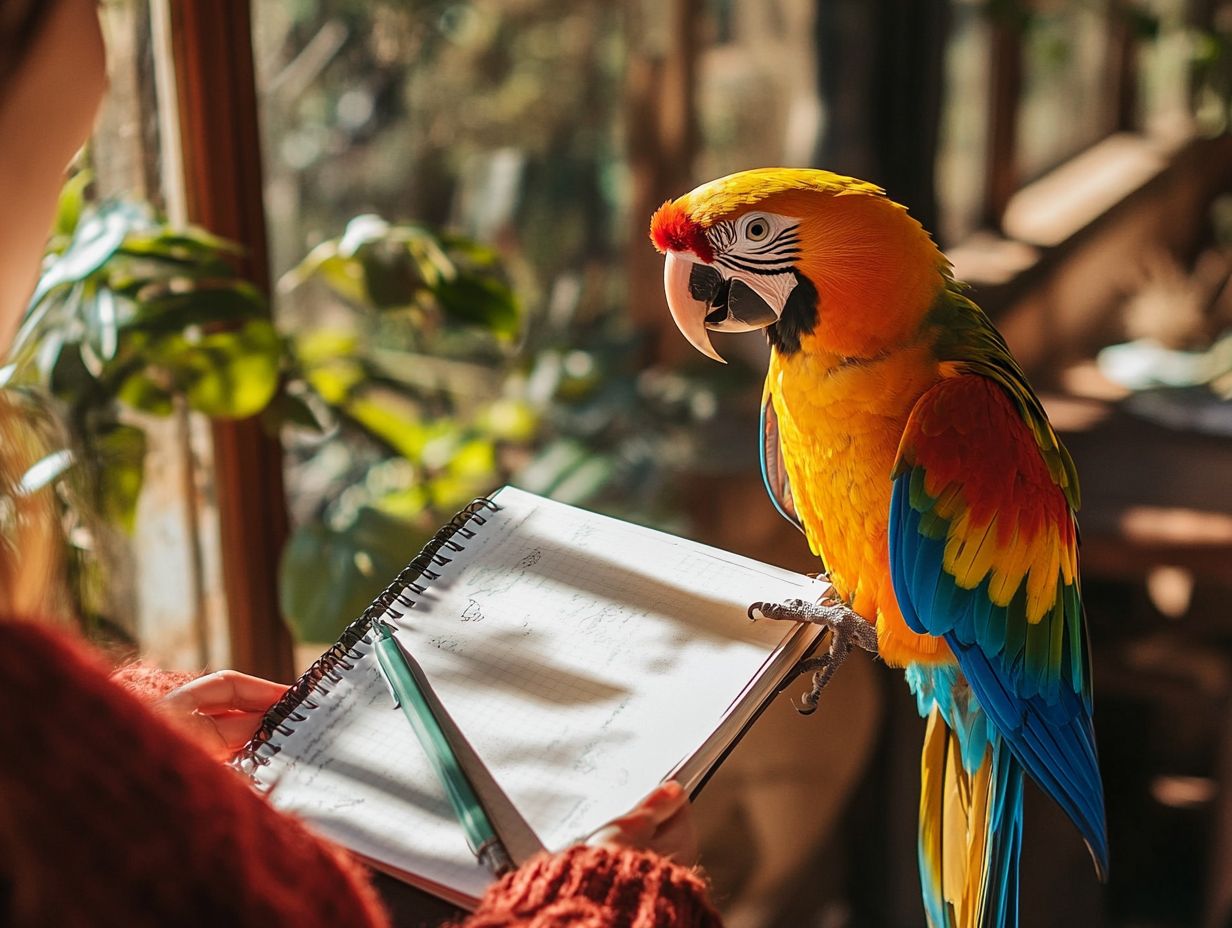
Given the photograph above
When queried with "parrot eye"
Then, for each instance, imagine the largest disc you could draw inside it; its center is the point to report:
(756, 229)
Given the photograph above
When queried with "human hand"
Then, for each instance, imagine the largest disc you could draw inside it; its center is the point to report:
(662, 822)
(221, 710)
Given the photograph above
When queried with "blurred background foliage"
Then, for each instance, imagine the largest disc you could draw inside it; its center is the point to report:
(409, 369)
(131, 319)
(426, 388)
(402, 378)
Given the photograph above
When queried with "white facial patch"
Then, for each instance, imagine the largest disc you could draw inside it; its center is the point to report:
(774, 289)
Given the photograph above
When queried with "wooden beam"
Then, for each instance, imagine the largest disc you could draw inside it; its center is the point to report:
(1123, 68)
(660, 107)
(1001, 171)
(881, 76)
(216, 91)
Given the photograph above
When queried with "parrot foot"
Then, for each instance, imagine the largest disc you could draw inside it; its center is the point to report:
(847, 629)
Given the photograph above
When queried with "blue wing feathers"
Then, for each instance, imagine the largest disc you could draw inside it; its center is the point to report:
(1006, 844)
(1060, 757)
(1030, 678)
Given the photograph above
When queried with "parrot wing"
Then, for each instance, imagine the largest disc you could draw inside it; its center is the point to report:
(972, 345)
(773, 470)
(983, 552)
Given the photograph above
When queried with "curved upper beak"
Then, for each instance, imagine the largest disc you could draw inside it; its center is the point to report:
(688, 311)
(701, 298)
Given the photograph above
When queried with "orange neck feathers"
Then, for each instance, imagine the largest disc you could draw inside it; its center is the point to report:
(877, 272)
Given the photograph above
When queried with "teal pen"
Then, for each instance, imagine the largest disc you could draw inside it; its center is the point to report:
(480, 834)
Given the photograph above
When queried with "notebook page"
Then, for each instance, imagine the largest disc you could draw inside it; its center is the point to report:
(584, 658)
(358, 776)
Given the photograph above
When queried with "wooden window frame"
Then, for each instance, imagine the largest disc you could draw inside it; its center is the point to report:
(218, 133)
(1002, 177)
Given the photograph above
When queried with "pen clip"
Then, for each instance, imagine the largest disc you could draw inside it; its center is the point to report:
(382, 629)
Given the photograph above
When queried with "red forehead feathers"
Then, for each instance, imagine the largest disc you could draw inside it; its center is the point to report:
(671, 229)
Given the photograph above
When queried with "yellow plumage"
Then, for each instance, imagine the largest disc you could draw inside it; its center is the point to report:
(841, 422)
(953, 836)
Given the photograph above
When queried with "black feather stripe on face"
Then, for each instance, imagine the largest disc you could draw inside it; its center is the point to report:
(798, 318)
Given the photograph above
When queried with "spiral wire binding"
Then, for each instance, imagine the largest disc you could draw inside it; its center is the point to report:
(327, 669)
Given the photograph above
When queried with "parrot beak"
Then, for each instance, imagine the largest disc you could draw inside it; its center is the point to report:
(700, 299)
(688, 312)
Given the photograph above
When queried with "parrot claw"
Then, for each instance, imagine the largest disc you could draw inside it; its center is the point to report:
(847, 628)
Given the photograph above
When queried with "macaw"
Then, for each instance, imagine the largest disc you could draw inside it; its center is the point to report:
(901, 436)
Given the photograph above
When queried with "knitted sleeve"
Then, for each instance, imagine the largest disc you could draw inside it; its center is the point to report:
(109, 816)
(597, 887)
(149, 683)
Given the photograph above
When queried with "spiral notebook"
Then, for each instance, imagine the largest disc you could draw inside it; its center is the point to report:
(583, 659)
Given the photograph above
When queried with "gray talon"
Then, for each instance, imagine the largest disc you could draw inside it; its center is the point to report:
(847, 628)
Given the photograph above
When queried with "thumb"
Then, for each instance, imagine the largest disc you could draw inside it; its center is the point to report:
(639, 826)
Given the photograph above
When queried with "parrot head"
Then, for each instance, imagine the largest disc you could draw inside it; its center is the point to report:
(820, 261)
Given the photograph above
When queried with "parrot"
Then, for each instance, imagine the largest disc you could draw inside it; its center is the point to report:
(900, 435)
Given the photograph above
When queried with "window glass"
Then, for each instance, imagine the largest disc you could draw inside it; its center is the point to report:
(538, 129)
(961, 153)
(1066, 93)
(1165, 59)
(141, 541)
(758, 100)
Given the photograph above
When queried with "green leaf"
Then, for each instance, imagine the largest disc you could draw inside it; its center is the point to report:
(102, 323)
(328, 578)
(334, 380)
(120, 452)
(324, 345)
(145, 394)
(288, 409)
(482, 301)
(187, 244)
(344, 274)
(391, 278)
(475, 458)
(435, 266)
(228, 375)
(50, 354)
(362, 230)
(45, 472)
(511, 420)
(234, 374)
(68, 377)
(98, 236)
(201, 306)
(407, 504)
(72, 201)
(388, 267)
(390, 422)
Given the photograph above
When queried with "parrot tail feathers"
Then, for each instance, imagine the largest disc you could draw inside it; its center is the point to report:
(970, 832)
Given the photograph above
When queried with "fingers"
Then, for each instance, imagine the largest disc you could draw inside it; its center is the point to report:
(677, 838)
(223, 691)
(661, 822)
(220, 735)
(235, 728)
(661, 804)
(220, 711)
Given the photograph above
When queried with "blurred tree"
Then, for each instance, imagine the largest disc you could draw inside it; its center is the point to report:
(881, 70)
(661, 145)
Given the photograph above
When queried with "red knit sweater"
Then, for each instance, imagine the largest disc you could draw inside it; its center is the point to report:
(109, 817)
